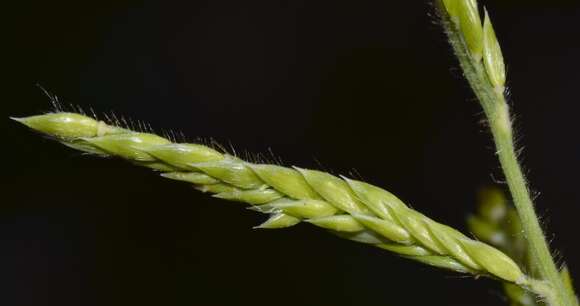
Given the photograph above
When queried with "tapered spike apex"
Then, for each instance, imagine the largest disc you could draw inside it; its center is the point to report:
(66, 125)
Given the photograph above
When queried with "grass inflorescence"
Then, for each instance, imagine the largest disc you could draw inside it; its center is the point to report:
(349, 208)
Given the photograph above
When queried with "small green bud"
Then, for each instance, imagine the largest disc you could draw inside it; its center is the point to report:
(252, 196)
(334, 190)
(387, 229)
(131, 146)
(191, 177)
(279, 220)
(287, 181)
(492, 55)
(182, 155)
(231, 171)
(497, 263)
(67, 125)
(340, 223)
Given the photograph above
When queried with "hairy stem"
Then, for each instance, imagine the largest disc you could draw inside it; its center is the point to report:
(496, 110)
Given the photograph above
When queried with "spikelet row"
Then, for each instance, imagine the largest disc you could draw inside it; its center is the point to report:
(349, 208)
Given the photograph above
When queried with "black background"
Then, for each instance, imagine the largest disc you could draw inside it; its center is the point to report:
(366, 87)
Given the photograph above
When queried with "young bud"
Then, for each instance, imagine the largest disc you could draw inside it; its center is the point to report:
(492, 56)
(496, 262)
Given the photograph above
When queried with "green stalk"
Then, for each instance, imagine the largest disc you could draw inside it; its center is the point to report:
(492, 99)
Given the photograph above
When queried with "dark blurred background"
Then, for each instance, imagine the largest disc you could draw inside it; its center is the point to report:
(367, 87)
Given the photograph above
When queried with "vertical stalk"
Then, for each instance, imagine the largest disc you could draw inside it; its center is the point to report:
(537, 245)
(492, 99)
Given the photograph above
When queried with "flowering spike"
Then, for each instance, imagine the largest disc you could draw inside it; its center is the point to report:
(350, 209)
